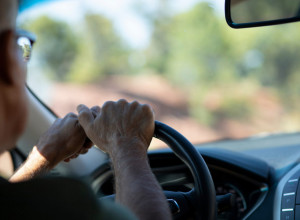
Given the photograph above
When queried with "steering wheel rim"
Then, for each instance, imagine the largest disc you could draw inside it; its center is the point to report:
(203, 195)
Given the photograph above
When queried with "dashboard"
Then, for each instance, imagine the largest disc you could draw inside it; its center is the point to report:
(173, 175)
(254, 170)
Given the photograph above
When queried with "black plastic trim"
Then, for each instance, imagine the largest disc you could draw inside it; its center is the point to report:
(40, 101)
(235, 161)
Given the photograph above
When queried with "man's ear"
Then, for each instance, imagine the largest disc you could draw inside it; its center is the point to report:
(8, 57)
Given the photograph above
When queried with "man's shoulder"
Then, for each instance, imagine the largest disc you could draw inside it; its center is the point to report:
(48, 198)
(54, 198)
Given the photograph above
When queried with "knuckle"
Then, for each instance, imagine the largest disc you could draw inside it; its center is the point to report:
(107, 105)
(84, 151)
(58, 120)
(71, 115)
(122, 101)
(83, 114)
(135, 104)
(81, 108)
(146, 108)
(105, 108)
(96, 108)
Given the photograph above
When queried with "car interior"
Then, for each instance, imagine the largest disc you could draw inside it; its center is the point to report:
(253, 177)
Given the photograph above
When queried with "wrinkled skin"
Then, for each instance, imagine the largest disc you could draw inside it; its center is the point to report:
(64, 140)
(117, 122)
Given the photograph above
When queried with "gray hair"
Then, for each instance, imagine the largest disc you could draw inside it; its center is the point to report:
(8, 14)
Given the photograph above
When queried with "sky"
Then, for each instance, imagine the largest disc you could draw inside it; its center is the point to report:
(126, 19)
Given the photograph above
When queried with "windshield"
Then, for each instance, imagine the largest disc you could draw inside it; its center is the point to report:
(201, 77)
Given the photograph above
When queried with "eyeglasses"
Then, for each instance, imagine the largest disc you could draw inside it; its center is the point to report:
(25, 40)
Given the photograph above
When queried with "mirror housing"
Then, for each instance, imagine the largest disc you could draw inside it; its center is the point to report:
(255, 13)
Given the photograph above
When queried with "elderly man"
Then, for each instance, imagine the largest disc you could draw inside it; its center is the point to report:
(123, 130)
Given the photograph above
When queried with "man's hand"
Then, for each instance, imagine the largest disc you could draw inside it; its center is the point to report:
(117, 123)
(64, 140)
(124, 130)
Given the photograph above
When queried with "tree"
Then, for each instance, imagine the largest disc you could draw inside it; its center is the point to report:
(101, 51)
(86, 53)
(201, 59)
(56, 46)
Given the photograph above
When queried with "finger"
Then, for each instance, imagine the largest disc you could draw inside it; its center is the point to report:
(147, 109)
(135, 104)
(123, 105)
(83, 150)
(71, 115)
(87, 143)
(95, 110)
(122, 102)
(85, 116)
(74, 156)
(107, 106)
(71, 157)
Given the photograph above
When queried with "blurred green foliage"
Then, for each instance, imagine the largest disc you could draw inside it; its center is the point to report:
(56, 43)
(82, 53)
(100, 53)
(222, 70)
(205, 56)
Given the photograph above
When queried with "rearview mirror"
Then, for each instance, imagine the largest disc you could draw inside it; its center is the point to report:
(253, 13)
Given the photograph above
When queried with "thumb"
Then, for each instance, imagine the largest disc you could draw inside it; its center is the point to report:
(85, 116)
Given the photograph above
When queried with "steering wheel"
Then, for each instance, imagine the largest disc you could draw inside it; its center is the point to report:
(201, 200)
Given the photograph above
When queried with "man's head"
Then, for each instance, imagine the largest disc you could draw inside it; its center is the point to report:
(8, 13)
(13, 102)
